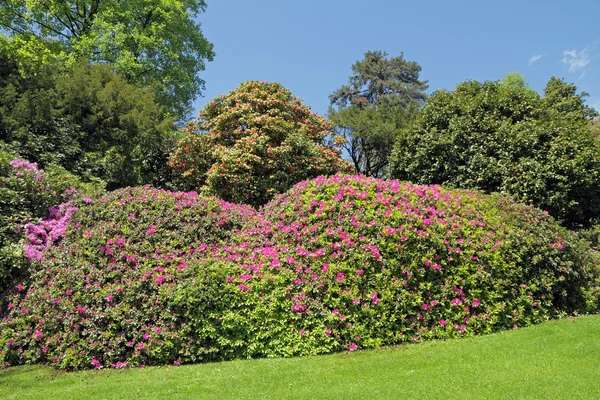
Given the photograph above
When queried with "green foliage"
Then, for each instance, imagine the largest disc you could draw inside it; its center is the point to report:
(26, 195)
(563, 98)
(255, 142)
(145, 276)
(85, 118)
(506, 138)
(514, 80)
(382, 96)
(156, 44)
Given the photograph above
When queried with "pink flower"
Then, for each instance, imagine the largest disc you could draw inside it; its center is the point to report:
(176, 363)
(475, 303)
(360, 272)
(160, 279)
(298, 307)
(38, 334)
(146, 336)
(443, 322)
(327, 332)
(340, 277)
(152, 229)
(96, 364)
(352, 347)
(302, 332)
(456, 301)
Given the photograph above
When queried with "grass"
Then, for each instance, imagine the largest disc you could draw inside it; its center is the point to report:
(555, 360)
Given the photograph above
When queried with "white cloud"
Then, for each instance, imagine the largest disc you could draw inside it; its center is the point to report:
(534, 59)
(576, 60)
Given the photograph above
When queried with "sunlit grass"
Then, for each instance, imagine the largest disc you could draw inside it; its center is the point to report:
(555, 360)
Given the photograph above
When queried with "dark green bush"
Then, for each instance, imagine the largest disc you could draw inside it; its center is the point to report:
(505, 138)
(83, 117)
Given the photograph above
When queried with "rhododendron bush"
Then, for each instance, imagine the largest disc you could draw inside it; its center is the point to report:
(255, 142)
(143, 276)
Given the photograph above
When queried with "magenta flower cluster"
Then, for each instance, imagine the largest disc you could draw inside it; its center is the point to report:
(145, 276)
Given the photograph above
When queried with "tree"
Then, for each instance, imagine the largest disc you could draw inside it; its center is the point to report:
(254, 142)
(563, 98)
(507, 138)
(381, 96)
(154, 43)
(84, 118)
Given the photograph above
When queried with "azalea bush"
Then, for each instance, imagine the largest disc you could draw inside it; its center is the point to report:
(144, 276)
(27, 193)
(254, 142)
(353, 262)
(102, 285)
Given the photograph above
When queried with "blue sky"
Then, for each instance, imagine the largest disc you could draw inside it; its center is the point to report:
(309, 46)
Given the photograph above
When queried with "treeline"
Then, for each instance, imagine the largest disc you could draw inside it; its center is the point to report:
(101, 89)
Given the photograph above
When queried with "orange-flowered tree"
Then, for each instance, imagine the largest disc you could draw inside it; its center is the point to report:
(254, 142)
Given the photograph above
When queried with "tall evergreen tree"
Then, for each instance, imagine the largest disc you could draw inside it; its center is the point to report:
(382, 95)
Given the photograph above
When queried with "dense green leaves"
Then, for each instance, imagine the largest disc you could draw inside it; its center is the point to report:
(85, 118)
(157, 43)
(504, 137)
(255, 142)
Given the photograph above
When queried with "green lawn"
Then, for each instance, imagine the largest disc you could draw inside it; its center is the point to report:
(556, 360)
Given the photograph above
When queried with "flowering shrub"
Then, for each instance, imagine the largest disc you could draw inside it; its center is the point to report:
(144, 276)
(253, 143)
(353, 262)
(101, 290)
(26, 194)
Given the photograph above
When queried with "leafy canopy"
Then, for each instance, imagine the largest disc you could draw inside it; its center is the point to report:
(254, 142)
(382, 95)
(84, 118)
(155, 43)
(504, 137)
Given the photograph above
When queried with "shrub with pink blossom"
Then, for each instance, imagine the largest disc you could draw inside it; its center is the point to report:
(143, 276)
(355, 262)
(102, 284)
(26, 195)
